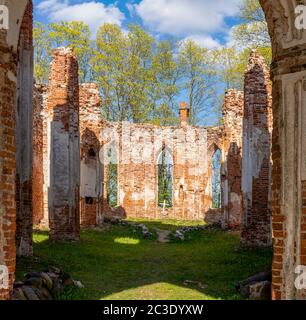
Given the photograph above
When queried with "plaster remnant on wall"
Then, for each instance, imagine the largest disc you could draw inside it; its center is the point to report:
(257, 164)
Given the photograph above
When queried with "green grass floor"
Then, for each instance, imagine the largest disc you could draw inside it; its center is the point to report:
(117, 263)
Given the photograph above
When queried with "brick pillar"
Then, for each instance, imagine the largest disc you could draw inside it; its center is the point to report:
(232, 159)
(91, 167)
(40, 161)
(256, 173)
(184, 114)
(64, 146)
(7, 166)
(24, 136)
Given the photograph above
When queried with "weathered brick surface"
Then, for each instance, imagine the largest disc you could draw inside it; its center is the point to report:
(138, 147)
(232, 159)
(24, 135)
(64, 147)
(288, 152)
(9, 69)
(40, 156)
(257, 129)
(91, 167)
(7, 162)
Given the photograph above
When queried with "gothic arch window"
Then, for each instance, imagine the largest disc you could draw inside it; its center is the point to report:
(216, 179)
(112, 176)
(165, 178)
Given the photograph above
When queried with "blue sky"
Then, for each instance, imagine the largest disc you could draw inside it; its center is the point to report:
(208, 22)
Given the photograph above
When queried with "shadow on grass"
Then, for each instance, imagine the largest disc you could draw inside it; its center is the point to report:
(118, 263)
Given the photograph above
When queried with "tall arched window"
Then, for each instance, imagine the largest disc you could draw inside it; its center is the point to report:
(165, 179)
(216, 179)
(112, 177)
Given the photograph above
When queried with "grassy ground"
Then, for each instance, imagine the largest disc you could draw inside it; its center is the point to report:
(117, 263)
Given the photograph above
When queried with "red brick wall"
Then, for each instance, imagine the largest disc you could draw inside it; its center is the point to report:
(91, 167)
(7, 163)
(138, 148)
(232, 158)
(256, 228)
(24, 135)
(64, 146)
(39, 141)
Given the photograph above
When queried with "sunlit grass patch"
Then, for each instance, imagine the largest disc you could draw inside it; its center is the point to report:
(118, 263)
(126, 240)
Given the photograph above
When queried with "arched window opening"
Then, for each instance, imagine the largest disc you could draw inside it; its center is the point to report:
(91, 153)
(216, 180)
(165, 179)
(112, 177)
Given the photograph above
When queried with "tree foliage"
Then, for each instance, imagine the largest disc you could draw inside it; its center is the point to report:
(42, 45)
(253, 31)
(143, 79)
(199, 78)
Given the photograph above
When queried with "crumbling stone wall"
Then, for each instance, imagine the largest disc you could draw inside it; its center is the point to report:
(64, 146)
(257, 129)
(91, 191)
(232, 159)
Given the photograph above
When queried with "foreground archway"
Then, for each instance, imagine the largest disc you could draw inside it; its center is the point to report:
(288, 144)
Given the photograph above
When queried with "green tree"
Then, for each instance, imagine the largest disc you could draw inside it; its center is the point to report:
(110, 70)
(74, 34)
(227, 62)
(199, 79)
(231, 64)
(42, 45)
(253, 31)
(122, 65)
(141, 78)
(167, 74)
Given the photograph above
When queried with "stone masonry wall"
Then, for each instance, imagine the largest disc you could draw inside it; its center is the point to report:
(64, 146)
(232, 159)
(257, 129)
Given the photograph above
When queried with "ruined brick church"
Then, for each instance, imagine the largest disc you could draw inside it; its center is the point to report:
(58, 154)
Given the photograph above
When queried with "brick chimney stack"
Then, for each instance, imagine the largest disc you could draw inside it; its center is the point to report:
(184, 114)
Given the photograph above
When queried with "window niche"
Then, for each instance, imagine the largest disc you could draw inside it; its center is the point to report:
(165, 179)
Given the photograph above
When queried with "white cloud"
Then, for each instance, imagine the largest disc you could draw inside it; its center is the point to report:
(50, 5)
(204, 41)
(185, 17)
(92, 13)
